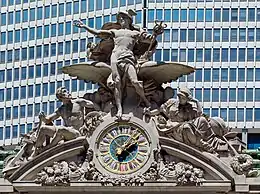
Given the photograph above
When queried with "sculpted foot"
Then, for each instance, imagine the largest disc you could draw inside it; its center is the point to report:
(119, 114)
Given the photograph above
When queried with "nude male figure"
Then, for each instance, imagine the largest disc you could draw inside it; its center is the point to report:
(72, 112)
(122, 59)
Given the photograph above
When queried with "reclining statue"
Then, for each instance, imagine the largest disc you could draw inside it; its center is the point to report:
(182, 119)
(72, 111)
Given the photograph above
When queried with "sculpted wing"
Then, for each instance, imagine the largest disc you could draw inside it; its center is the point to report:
(96, 72)
(163, 72)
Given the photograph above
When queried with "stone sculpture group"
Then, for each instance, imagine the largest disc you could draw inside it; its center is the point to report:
(130, 85)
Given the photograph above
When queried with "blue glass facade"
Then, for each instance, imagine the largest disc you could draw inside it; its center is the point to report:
(220, 38)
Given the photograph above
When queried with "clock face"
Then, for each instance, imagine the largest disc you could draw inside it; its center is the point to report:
(123, 149)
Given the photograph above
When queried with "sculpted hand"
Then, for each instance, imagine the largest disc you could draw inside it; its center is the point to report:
(42, 117)
(78, 23)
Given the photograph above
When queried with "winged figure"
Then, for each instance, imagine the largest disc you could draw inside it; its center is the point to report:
(122, 57)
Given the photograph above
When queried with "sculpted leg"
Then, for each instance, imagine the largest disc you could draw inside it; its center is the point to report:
(117, 89)
(137, 84)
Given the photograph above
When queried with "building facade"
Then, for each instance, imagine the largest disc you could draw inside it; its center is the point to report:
(220, 38)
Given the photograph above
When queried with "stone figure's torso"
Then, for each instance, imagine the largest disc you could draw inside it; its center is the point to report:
(73, 115)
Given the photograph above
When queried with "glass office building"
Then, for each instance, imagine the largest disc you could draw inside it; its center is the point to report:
(220, 38)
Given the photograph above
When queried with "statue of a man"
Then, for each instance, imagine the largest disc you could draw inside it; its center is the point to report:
(72, 112)
(123, 60)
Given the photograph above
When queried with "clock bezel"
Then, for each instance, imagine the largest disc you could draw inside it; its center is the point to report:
(147, 129)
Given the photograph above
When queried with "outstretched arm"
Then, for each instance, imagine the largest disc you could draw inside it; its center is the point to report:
(100, 33)
(48, 119)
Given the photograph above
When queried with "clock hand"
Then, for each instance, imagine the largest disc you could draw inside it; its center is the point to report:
(128, 143)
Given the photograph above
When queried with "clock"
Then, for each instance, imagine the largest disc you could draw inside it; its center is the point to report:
(123, 148)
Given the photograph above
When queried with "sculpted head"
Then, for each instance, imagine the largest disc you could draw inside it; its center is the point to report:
(63, 95)
(125, 19)
(184, 95)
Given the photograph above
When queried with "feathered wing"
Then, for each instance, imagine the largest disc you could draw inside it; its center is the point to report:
(96, 72)
(163, 72)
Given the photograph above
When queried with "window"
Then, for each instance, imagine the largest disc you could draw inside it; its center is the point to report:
(234, 35)
(60, 48)
(53, 30)
(25, 15)
(223, 94)
(166, 54)
(9, 75)
(1, 114)
(215, 75)
(17, 17)
(53, 49)
(68, 8)
(191, 35)
(24, 34)
(24, 53)
(24, 73)
(15, 112)
(191, 15)
(232, 74)
(38, 72)
(31, 52)
(233, 55)
(231, 114)
(2, 95)
(31, 72)
(206, 95)
(249, 94)
(225, 35)
(250, 74)
(54, 11)
(199, 55)
(199, 36)
(257, 94)
(183, 35)
(224, 55)
(39, 13)
(60, 29)
(257, 74)
(207, 55)
(3, 19)
(47, 12)
(240, 114)
(183, 15)
(200, 15)
(68, 28)
(208, 15)
(241, 74)
(32, 33)
(250, 54)
(215, 95)
(82, 45)
(251, 14)
(61, 9)
(208, 35)
(67, 47)
(207, 75)
(10, 37)
(240, 94)
(10, 18)
(17, 36)
(225, 15)
(32, 14)
(39, 32)
(2, 76)
(216, 55)
(242, 15)
(45, 70)
(8, 128)
(232, 94)
(84, 6)
(250, 34)
(174, 55)
(3, 38)
(190, 55)
(37, 90)
(249, 114)
(216, 36)
(175, 15)
(2, 57)
(234, 14)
